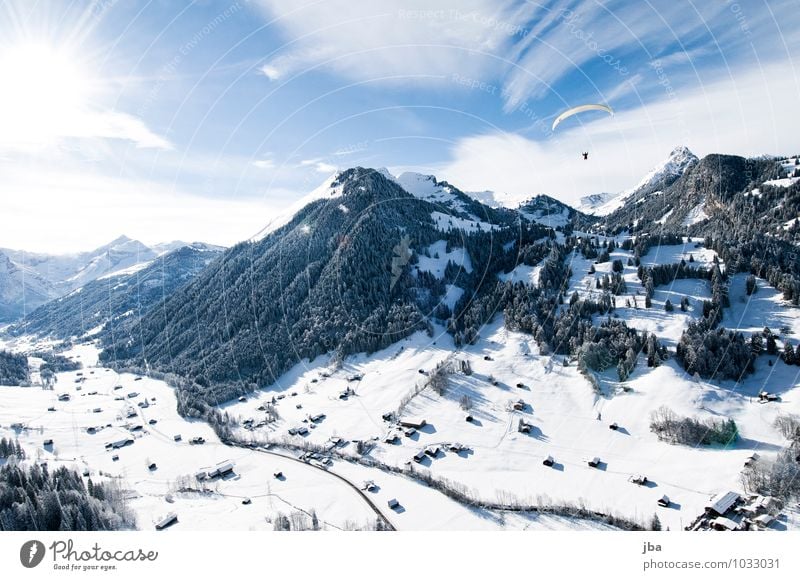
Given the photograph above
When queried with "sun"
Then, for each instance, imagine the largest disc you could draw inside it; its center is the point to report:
(44, 92)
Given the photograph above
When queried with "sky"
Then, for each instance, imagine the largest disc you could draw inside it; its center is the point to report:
(201, 120)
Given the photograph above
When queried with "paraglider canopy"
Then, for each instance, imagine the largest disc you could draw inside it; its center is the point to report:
(580, 109)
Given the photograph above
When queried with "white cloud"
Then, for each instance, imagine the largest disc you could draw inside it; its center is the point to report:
(318, 165)
(389, 38)
(63, 210)
(264, 163)
(751, 114)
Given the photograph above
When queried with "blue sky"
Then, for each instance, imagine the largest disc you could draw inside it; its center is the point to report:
(200, 121)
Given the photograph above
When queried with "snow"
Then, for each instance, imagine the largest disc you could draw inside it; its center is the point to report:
(696, 215)
(305, 487)
(522, 273)
(665, 217)
(440, 257)
(678, 161)
(452, 295)
(126, 271)
(501, 465)
(764, 308)
(446, 222)
(553, 220)
(325, 191)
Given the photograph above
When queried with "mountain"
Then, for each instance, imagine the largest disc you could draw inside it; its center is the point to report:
(593, 203)
(21, 289)
(548, 211)
(661, 176)
(28, 279)
(673, 202)
(115, 256)
(105, 304)
(364, 264)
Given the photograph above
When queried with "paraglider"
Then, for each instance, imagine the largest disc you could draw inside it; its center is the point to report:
(580, 109)
(585, 155)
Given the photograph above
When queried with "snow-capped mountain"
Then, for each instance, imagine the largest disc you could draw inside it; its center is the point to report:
(112, 298)
(550, 212)
(661, 176)
(21, 289)
(28, 280)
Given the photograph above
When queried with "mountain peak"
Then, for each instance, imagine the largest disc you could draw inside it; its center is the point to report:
(659, 177)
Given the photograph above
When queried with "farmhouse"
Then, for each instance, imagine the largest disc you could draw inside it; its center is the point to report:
(593, 462)
(524, 427)
(751, 459)
(724, 524)
(764, 520)
(409, 432)
(432, 451)
(413, 423)
(722, 502)
(519, 405)
(48, 442)
(549, 461)
(221, 469)
(391, 439)
(419, 456)
(121, 443)
(393, 504)
(167, 520)
(638, 479)
(664, 501)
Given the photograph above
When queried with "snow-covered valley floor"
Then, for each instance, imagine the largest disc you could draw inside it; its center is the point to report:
(342, 407)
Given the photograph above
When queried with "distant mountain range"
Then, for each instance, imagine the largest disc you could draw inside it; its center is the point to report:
(28, 280)
(107, 304)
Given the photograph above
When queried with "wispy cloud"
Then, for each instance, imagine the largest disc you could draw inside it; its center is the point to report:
(414, 37)
(318, 165)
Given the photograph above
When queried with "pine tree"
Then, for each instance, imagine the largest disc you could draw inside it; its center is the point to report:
(788, 354)
(655, 523)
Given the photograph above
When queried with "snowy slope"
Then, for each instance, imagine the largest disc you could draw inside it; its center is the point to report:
(679, 160)
(327, 190)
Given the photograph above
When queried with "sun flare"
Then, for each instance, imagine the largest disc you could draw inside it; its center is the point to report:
(44, 92)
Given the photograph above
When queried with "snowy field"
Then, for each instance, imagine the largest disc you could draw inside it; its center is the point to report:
(345, 408)
(500, 464)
